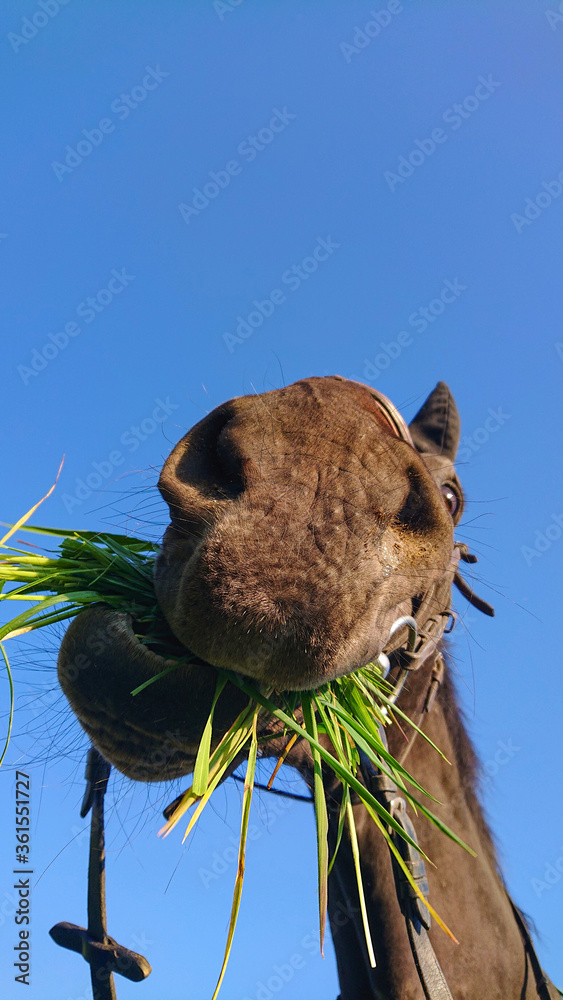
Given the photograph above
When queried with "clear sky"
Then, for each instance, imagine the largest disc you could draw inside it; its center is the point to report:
(168, 165)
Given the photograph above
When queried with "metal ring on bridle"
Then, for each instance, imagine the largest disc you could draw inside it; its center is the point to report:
(383, 659)
(412, 626)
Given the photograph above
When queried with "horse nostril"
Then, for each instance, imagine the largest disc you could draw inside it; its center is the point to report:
(211, 464)
(419, 510)
(231, 469)
(202, 469)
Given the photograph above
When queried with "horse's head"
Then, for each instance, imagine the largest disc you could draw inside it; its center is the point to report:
(304, 522)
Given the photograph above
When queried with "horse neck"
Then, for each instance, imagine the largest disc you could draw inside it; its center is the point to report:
(468, 893)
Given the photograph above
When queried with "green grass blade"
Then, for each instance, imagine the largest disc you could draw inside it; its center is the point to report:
(247, 799)
(128, 540)
(391, 772)
(321, 814)
(356, 856)
(156, 677)
(376, 751)
(11, 716)
(403, 715)
(223, 755)
(340, 771)
(408, 875)
(25, 517)
(341, 821)
(332, 731)
(201, 768)
(85, 597)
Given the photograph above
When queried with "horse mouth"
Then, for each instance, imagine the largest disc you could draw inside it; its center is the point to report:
(154, 735)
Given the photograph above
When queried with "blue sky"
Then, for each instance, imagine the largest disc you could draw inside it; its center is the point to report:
(168, 167)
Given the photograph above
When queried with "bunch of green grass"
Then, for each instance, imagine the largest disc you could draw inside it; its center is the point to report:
(88, 568)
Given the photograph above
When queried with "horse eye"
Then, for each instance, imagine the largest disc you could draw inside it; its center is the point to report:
(451, 499)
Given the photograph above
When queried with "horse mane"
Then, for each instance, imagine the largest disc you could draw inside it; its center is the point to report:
(470, 767)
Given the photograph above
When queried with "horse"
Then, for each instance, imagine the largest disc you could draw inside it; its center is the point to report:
(312, 532)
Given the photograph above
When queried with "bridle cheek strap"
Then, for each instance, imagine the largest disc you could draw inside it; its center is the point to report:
(415, 912)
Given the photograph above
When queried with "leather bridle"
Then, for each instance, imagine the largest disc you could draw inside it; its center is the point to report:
(422, 643)
(421, 646)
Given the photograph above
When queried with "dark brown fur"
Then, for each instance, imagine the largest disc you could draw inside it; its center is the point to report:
(301, 528)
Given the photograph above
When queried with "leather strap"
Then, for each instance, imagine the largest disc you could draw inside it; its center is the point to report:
(543, 984)
(416, 914)
(429, 970)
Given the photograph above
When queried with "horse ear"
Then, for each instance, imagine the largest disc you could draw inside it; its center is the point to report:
(436, 427)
